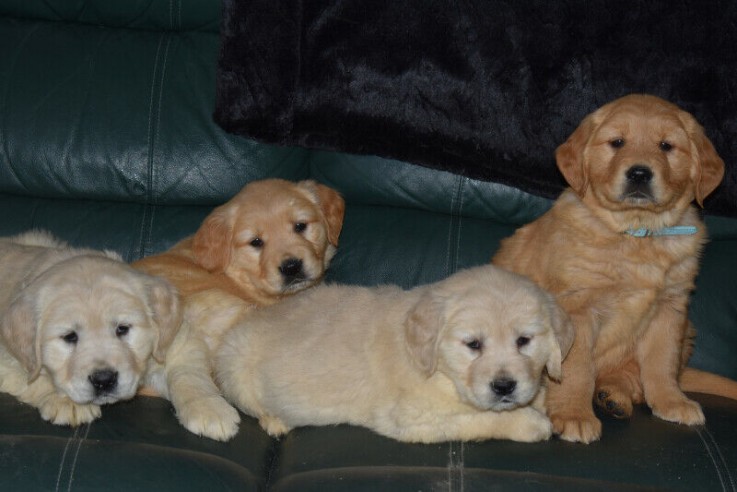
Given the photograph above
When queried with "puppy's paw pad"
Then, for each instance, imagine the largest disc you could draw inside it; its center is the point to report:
(577, 428)
(682, 411)
(614, 403)
(61, 410)
(273, 426)
(210, 417)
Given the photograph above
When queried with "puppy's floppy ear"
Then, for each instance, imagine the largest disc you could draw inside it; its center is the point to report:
(563, 335)
(570, 156)
(332, 206)
(166, 310)
(211, 244)
(710, 167)
(422, 332)
(19, 330)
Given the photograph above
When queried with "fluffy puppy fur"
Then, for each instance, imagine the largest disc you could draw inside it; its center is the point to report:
(78, 326)
(274, 238)
(464, 358)
(636, 163)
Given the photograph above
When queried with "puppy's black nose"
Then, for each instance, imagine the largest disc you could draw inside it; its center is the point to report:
(503, 386)
(639, 174)
(291, 268)
(104, 381)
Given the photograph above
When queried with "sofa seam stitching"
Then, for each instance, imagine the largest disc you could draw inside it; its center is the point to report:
(709, 452)
(64, 457)
(455, 466)
(74, 439)
(463, 182)
(723, 461)
(158, 120)
(451, 256)
(149, 139)
(450, 235)
(455, 458)
(152, 135)
(76, 456)
(143, 237)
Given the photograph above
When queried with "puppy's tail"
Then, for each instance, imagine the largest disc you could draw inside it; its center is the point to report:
(706, 382)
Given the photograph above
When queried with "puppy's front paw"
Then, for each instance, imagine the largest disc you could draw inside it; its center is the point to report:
(61, 410)
(210, 417)
(576, 427)
(532, 426)
(273, 426)
(680, 411)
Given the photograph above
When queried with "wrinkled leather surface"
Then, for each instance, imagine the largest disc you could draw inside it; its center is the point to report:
(120, 114)
(106, 139)
(137, 445)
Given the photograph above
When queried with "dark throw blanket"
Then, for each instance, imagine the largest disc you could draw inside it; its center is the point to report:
(487, 89)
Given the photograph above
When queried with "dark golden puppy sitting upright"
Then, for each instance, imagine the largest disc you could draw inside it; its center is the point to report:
(620, 250)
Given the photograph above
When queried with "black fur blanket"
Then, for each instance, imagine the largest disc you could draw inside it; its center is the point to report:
(483, 88)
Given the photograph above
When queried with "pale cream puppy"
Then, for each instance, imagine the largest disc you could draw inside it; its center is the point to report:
(461, 359)
(78, 326)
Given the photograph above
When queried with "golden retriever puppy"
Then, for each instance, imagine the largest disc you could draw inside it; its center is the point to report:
(78, 326)
(274, 238)
(464, 358)
(620, 249)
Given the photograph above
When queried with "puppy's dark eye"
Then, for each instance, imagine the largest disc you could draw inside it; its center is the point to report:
(665, 146)
(617, 143)
(122, 330)
(71, 337)
(300, 227)
(522, 341)
(257, 242)
(474, 344)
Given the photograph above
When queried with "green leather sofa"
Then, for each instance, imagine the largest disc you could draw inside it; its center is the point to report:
(107, 139)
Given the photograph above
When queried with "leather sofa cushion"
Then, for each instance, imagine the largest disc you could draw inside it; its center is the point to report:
(124, 450)
(668, 456)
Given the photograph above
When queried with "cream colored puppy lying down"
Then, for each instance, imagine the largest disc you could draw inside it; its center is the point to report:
(462, 359)
(78, 326)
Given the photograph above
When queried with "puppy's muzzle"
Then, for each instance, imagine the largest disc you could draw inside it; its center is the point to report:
(292, 271)
(104, 381)
(638, 183)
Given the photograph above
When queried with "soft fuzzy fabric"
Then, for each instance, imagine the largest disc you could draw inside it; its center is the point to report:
(483, 88)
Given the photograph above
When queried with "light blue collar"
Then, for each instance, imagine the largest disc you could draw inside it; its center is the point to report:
(665, 231)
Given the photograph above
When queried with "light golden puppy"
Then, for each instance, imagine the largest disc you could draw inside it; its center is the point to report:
(620, 251)
(78, 326)
(464, 358)
(274, 238)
